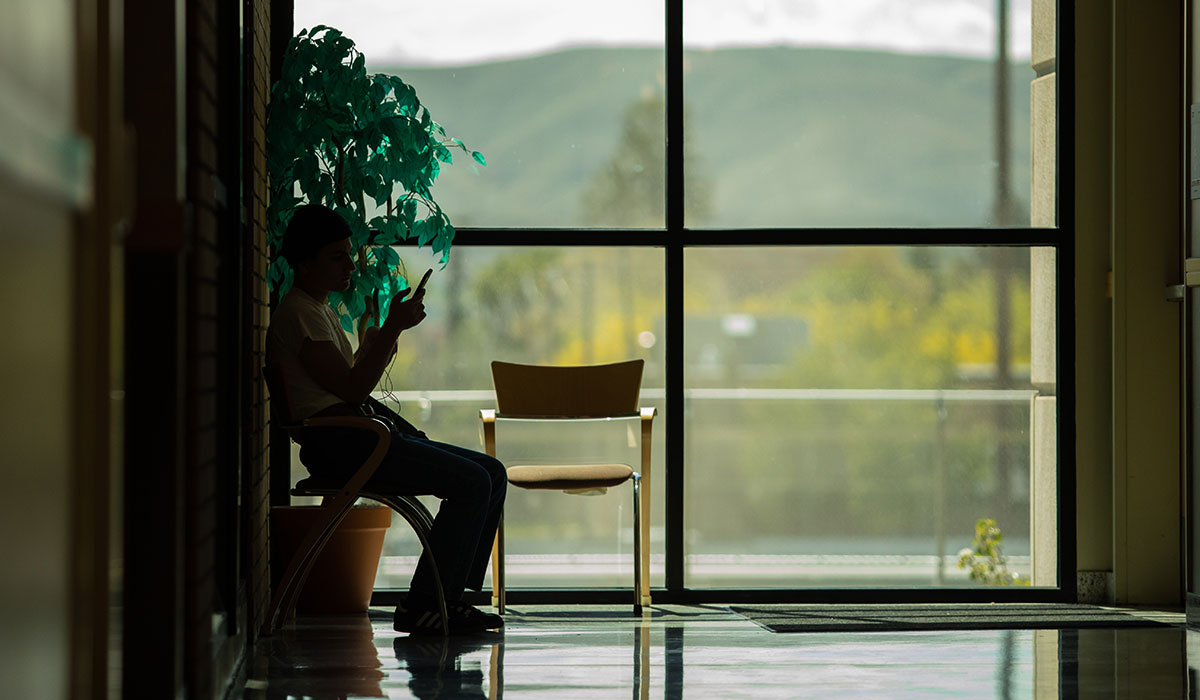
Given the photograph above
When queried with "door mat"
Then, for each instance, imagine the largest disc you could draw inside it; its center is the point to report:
(924, 617)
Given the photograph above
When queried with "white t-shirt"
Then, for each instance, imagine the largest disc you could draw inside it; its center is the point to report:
(299, 316)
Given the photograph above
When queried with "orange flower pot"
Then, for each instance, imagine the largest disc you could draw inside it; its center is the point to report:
(343, 578)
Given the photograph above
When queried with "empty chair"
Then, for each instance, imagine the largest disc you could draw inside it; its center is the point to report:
(556, 393)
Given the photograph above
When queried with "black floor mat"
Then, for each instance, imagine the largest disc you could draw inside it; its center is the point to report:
(892, 618)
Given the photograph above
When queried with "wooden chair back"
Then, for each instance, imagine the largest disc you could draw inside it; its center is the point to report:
(586, 391)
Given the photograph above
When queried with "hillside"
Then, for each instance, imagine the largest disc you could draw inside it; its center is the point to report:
(785, 137)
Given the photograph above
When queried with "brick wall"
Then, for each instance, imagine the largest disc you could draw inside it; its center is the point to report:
(257, 191)
(196, 311)
(202, 376)
(227, 312)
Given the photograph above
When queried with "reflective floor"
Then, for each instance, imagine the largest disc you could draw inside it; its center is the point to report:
(710, 652)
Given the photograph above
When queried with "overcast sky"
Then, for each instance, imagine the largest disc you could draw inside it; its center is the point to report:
(456, 32)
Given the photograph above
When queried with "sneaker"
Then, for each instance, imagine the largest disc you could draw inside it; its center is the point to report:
(475, 616)
(464, 619)
(417, 620)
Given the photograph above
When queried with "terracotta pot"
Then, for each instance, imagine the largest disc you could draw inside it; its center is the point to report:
(343, 577)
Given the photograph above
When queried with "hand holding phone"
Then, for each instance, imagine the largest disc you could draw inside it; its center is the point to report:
(424, 279)
(408, 309)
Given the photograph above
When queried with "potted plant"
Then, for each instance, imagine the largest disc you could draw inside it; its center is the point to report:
(364, 146)
(340, 137)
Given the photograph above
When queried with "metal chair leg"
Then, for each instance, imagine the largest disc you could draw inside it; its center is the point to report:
(416, 515)
(498, 600)
(292, 582)
(637, 544)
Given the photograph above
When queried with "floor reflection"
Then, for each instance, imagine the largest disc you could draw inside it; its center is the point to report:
(710, 652)
(330, 656)
(440, 668)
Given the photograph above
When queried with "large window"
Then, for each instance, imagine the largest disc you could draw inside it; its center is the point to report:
(830, 229)
(853, 412)
(855, 113)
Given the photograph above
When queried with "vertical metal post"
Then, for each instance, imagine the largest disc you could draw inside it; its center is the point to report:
(1002, 211)
(939, 468)
(1003, 214)
(674, 296)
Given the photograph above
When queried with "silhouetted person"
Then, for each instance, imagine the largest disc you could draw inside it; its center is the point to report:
(325, 378)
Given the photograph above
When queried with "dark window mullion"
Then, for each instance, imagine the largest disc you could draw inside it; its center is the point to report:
(1024, 237)
(674, 297)
(1064, 330)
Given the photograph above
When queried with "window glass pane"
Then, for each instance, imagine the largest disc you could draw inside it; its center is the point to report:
(565, 100)
(536, 305)
(853, 413)
(856, 113)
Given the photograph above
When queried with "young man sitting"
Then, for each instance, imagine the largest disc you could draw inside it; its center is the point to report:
(324, 377)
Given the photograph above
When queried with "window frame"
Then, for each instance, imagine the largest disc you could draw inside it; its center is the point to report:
(675, 238)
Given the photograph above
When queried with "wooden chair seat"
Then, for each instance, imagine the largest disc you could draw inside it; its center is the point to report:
(563, 477)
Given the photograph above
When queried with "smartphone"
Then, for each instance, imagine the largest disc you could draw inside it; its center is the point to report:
(424, 279)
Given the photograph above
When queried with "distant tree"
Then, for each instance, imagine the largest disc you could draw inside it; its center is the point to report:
(520, 298)
(630, 190)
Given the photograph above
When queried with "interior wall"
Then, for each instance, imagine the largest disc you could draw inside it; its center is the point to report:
(43, 184)
(1147, 367)
(96, 503)
(256, 197)
(195, 467)
(1093, 304)
(156, 514)
(1192, 427)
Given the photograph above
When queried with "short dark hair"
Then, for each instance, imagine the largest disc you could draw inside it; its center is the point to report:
(313, 226)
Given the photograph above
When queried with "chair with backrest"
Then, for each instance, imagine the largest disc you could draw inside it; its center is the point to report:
(337, 498)
(591, 392)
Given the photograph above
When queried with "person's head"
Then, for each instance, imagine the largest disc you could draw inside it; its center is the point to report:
(316, 245)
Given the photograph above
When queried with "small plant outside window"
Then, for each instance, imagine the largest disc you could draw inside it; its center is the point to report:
(338, 136)
(984, 559)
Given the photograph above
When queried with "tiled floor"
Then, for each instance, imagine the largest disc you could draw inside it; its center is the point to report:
(710, 652)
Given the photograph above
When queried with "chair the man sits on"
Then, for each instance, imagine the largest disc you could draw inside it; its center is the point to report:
(337, 498)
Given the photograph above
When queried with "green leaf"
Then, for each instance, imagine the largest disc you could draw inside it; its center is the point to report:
(383, 274)
(420, 231)
(479, 158)
(276, 272)
(355, 303)
(387, 255)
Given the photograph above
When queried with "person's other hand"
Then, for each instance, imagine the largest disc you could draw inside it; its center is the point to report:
(408, 312)
(369, 337)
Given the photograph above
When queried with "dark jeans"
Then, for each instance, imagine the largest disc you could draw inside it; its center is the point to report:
(471, 484)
